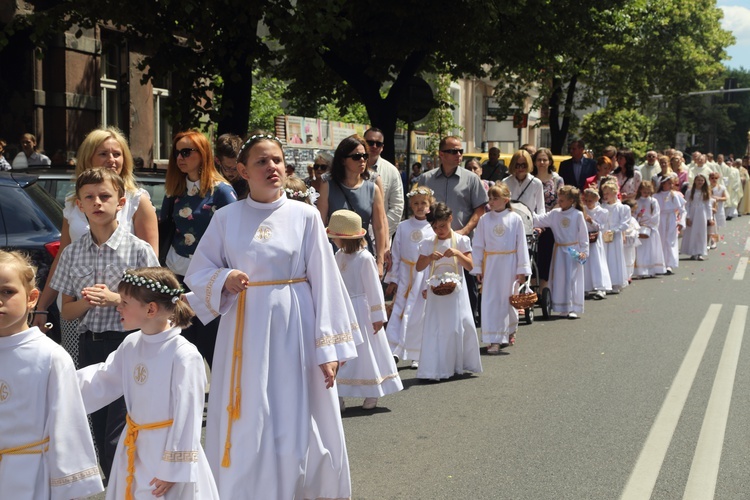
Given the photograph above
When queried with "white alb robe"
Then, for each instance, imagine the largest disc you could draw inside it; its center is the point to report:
(39, 398)
(449, 341)
(649, 256)
(162, 377)
(671, 215)
(720, 216)
(566, 273)
(596, 270)
(288, 441)
(373, 373)
(695, 236)
(631, 242)
(500, 253)
(617, 222)
(405, 324)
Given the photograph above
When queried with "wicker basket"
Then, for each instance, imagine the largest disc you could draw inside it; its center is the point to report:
(444, 288)
(523, 300)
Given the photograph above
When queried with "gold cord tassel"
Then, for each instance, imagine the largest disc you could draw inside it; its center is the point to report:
(235, 398)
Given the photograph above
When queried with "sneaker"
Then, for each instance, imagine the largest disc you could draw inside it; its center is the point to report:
(342, 405)
(598, 295)
(370, 403)
(414, 364)
(572, 315)
(669, 271)
(700, 257)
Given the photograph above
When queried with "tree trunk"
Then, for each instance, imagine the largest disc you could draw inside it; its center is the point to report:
(235, 102)
(559, 132)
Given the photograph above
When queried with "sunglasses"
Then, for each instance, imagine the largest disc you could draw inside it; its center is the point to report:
(320, 166)
(521, 165)
(455, 151)
(358, 156)
(184, 152)
(375, 144)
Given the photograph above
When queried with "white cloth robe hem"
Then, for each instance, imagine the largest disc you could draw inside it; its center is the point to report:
(404, 329)
(499, 232)
(672, 214)
(617, 222)
(290, 424)
(695, 236)
(596, 270)
(42, 400)
(566, 273)
(162, 377)
(649, 256)
(449, 341)
(373, 373)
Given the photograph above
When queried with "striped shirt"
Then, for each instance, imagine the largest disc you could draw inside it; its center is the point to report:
(83, 264)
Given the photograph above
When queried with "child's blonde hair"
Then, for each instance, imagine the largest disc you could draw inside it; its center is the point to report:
(572, 193)
(22, 264)
(591, 192)
(500, 190)
(159, 285)
(645, 184)
(418, 190)
(610, 186)
(296, 189)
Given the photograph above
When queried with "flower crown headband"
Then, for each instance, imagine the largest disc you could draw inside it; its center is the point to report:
(297, 194)
(153, 285)
(258, 137)
(420, 191)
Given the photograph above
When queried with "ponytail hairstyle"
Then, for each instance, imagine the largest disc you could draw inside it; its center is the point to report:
(438, 212)
(501, 190)
(23, 266)
(571, 193)
(159, 285)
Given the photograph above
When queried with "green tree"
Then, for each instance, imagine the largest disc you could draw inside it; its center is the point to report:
(440, 121)
(622, 128)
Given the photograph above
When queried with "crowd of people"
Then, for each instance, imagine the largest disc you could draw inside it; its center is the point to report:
(280, 284)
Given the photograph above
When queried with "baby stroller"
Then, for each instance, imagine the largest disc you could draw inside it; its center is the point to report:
(531, 242)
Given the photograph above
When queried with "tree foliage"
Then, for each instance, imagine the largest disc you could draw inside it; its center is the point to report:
(622, 128)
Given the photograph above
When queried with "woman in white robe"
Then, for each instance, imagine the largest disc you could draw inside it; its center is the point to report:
(163, 378)
(617, 222)
(286, 439)
(405, 324)
(671, 221)
(39, 399)
(566, 274)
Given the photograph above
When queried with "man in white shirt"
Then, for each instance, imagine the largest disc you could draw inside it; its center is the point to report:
(650, 167)
(393, 189)
(29, 156)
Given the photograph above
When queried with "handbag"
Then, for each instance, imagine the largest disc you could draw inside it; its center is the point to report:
(167, 229)
(593, 236)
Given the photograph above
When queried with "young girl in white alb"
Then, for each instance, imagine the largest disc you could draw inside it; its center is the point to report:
(596, 281)
(618, 216)
(449, 338)
(404, 329)
(698, 217)
(719, 195)
(502, 264)
(630, 238)
(163, 379)
(571, 248)
(46, 450)
(671, 220)
(649, 256)
(373, 373)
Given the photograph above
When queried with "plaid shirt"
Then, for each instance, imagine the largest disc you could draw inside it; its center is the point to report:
(83, 264)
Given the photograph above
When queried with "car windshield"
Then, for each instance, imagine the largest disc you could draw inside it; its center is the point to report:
(29, 211)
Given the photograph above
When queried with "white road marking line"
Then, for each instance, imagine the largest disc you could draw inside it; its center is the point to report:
(747, 244)
(704, 471)
(643, 478)
(739, 273)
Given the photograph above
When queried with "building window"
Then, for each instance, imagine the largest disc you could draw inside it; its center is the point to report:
(110, 85)
(162, 129)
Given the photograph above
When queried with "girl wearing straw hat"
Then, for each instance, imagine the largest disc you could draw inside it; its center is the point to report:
(373, 373)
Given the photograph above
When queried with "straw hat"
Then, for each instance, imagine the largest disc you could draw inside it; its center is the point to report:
(346, 225)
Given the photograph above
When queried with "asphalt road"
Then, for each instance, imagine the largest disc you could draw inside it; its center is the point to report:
(633, 400)
(638, 399)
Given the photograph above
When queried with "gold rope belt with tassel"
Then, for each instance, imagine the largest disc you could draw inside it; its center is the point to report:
(131, 435)
(35, 448)
(235, 389)
(411, 280)
(487, 254)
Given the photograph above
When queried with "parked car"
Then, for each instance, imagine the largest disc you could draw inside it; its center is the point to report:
(30, 221)
(60, 183)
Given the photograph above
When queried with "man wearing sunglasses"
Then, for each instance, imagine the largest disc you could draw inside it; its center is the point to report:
(463, 192)
(226, 149)
(393, 195)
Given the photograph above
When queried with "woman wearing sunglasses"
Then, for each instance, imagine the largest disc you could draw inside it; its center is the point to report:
(351, 188)
(194, 191)
(317, 173)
